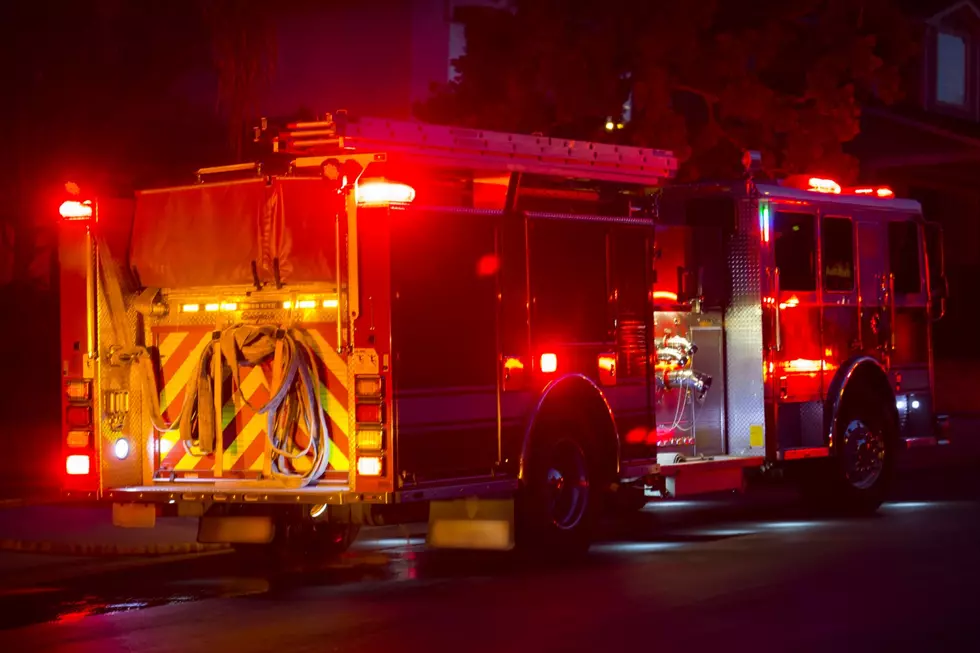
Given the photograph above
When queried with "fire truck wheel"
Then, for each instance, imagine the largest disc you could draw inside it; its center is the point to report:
(296, 540)
(861, 471)
(559, 504)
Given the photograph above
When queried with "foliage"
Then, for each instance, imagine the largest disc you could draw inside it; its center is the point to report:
(244, 48)
(112, 94)
(707, 79)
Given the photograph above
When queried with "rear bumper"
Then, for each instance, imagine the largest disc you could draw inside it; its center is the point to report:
(316, 495)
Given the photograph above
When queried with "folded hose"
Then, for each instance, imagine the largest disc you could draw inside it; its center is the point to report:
(296, 396)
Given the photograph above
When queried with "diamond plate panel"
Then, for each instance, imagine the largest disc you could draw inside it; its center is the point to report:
(134, 426)
(743, 338)
(811, 424)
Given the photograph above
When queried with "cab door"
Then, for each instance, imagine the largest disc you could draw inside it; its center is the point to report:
(911, 325)
(873, 271)
(841, 336)
(797, 366)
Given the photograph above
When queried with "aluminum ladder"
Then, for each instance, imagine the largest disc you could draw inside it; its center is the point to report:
(459, 147)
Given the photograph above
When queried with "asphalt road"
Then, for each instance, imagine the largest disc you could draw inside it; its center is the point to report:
(752, 575)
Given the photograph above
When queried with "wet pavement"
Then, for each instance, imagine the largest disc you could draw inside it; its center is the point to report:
(748, 574)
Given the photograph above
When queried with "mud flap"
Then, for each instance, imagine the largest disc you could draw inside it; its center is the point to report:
(472, 523)
(258, 529)
(134, 515)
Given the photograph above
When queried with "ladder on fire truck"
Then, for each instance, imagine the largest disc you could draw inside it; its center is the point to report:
(458, 147)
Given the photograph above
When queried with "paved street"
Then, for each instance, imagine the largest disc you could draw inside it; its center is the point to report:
(748, 575)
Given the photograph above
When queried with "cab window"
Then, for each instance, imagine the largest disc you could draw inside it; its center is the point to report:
(794, 243)
(837, 239)
(903, 254)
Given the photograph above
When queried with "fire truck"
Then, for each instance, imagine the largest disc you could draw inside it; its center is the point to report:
(506, 335)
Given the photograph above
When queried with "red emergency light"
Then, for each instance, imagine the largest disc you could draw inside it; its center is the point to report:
(76, 210)
(882, 191)
(831, 187)
(378, 193)
(819, 185)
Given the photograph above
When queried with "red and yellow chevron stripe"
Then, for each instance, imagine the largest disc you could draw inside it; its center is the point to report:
(246, 445)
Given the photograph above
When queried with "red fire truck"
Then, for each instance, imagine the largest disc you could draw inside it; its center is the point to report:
(501, 334)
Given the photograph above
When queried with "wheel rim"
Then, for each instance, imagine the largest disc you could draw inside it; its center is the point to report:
(567, 485)
(864, 451)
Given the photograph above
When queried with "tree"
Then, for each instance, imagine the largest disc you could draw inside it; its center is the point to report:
(706, 80)
(99, 94)
(244, 49)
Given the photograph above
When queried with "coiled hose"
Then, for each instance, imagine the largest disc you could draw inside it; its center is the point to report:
(296, 397)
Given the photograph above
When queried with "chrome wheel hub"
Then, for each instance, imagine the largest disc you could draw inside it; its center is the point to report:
(567, 485)
(864, 454)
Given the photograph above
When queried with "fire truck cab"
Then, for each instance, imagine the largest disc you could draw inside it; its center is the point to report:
(501, 334)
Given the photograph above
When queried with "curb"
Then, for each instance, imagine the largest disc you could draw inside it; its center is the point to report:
(114, 550)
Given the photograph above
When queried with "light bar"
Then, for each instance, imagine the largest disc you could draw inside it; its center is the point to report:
(824, 186)
(883, 192)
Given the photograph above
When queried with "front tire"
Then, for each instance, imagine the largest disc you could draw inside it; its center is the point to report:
(859, 475)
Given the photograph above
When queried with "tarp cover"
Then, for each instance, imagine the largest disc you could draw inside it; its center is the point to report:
(302, 230)
(209, 235)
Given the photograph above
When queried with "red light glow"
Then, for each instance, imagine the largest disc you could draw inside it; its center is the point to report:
(487, 265)
(883, 192)
(824, 185)
(368, 413)
(75, 210)
(792, 302)
(806, 366)
(511, 363)
(78, 465)
(549, 363)
(378, 193)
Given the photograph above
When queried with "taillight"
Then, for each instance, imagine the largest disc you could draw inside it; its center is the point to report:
(78, 416)
(369, 422)
(370, 439)
(78, 439)
(369, 413)
(367, 386)
(78, 390)
(369, 465)
(79, 432)
(78, 465)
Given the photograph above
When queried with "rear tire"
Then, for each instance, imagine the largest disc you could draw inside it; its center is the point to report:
(303, 540)
(559, 505)
(856, 480)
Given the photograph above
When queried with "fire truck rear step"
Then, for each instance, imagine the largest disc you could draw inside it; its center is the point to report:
(173, 493)
(689, 477)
